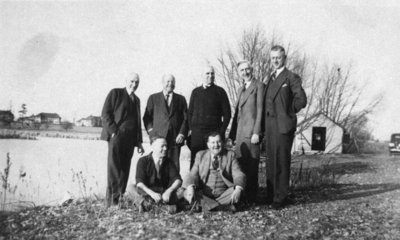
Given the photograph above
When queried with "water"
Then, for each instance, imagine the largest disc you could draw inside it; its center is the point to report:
(48, 170)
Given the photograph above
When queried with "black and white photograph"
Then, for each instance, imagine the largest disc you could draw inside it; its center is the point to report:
(205, 119)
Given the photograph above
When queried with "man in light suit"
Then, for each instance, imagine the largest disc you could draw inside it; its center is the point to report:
(284, 98)
(209, 110)
(216, 176)
(166, 117)
(246, 127)
(122, 129)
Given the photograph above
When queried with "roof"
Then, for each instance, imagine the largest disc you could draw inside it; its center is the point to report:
(49, 115)
(89, 118)
(317, 116)
(6, 112)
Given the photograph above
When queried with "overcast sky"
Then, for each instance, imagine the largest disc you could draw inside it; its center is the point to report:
(65, 56)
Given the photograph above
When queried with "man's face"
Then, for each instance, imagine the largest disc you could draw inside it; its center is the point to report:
(209, 75)
(278, 59)
(168, 83)
(214, 144)
(245, 71)
(159, 147)
(132, 83)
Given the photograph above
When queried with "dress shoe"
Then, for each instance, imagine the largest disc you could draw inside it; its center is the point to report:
(277, 205)
(141, 208)
(172, 209)
(233, 208)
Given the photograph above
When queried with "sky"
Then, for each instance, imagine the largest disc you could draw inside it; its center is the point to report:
(65, 56)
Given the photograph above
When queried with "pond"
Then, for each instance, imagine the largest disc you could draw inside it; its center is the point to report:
(48, 170)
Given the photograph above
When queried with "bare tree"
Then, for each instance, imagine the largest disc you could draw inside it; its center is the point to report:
(330, 89)
(23, 110)
(255, 47)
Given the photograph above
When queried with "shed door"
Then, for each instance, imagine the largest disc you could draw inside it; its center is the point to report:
(318, 138)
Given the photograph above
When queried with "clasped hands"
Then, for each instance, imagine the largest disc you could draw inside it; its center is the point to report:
(157, 197)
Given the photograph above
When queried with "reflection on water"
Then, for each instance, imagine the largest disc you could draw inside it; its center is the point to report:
(46, 170)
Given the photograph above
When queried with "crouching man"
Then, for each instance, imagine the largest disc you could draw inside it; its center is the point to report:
(157, 179)
(216, 178)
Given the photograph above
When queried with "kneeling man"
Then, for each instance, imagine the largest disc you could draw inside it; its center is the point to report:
(157, 178)
(216, 176)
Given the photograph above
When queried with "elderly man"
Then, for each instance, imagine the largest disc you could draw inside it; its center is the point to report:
(166, 116)
(284, 97)
(122, 129)
(216, 177)
(246, 127)
(157, 178)
(209, 110)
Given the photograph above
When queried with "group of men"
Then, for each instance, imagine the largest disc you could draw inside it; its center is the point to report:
(217, 176)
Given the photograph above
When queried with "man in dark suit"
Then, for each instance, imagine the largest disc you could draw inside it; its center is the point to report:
(122, 129)
(209, 110)
(246, 127)
(284, 97)
(166, 117)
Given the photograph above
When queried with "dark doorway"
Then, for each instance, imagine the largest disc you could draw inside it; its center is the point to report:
(318, 138)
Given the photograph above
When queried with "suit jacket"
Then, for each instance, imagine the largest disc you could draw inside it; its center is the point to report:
(248, 111)
(115, 112)
(229, 169)
(163, 121)
(288, 99)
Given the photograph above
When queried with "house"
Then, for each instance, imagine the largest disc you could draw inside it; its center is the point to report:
(6, 117)
(323, 135)
(27, 121)
(91, 121)
(52, 118)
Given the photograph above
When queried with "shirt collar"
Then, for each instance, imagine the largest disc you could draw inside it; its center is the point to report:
(218, 156)
(156, 159)
(278, 71)
(247, 83)
(128, 91)
(165, 93)
(205, 86)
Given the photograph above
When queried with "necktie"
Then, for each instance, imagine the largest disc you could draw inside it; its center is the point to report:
(273, 76)
(159, 168)
(167, 101)
(132, 97)
(215, 164)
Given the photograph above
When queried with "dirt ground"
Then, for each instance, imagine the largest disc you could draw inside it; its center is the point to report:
(360, 199)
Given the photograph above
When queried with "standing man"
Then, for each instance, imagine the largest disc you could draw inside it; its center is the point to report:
(166, 117)
(284, 97)
(122, 129)
(209, 110)
(246, 127)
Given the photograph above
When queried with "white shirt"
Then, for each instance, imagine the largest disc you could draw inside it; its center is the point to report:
(128, 91)
(278, 71)
(247, 84)
(169, 98)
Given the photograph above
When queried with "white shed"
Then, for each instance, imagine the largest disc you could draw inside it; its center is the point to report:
(323, 135)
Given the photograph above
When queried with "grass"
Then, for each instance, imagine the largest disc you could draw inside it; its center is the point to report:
(336, 197)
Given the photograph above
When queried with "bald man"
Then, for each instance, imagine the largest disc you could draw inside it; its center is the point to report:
(166, 117)
(209, 111)
(122, 130)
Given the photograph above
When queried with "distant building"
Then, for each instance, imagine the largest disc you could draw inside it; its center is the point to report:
(91, 121)
(323, 135)
(52, 118)
(6, 117)
(27, 121)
